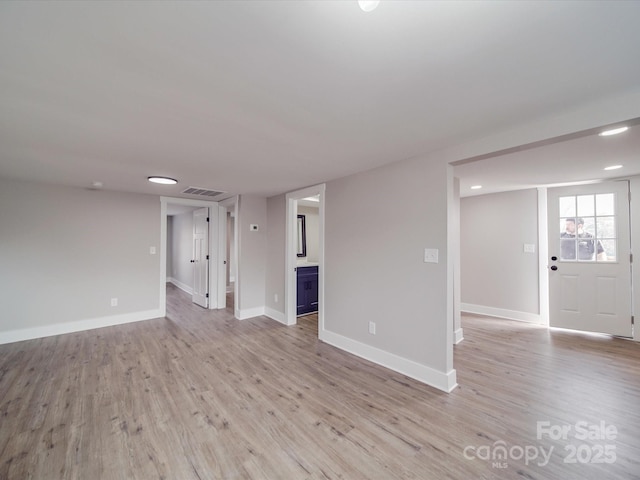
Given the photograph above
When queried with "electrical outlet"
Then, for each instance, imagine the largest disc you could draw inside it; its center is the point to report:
(114, 302)
(430, 255)
(372, 328)
(152, 250)
(529, 248)
(275, 298)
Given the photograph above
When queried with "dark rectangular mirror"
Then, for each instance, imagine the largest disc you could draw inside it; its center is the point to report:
(302, 237)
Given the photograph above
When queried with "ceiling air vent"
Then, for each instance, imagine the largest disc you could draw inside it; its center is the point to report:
(203, 192)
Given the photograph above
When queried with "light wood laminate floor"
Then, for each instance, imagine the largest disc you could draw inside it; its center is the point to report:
(200, 395)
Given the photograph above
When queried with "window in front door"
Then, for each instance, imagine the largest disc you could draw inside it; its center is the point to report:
(588, 228)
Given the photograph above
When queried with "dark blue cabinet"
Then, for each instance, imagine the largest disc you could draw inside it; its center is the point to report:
(307, 290)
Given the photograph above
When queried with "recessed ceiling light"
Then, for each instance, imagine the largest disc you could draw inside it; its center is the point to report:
(613, 167)
(476, 187)
(613, 131)
(368, 5)
(163, 180)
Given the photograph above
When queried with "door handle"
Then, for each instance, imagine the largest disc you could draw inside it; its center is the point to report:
(554, 268)
(554, 258)
(192, 261)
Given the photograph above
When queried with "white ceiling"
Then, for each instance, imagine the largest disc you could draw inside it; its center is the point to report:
(266, 97)
(574, 160)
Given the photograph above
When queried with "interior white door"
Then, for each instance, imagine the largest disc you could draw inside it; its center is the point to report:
(200, 259)
(590, 264)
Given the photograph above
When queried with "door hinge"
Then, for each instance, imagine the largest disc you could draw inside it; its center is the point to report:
(207, 257)
(631, 258)
(207, 219)
(633, 320)
(206, 295)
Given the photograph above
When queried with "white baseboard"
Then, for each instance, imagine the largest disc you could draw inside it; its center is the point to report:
(440, 380)
(182, 286)
(275, 315)
(502, 313)
(79, 326)
(249, 313)
(457, 336)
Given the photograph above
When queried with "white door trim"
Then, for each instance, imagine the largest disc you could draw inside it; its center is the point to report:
(215, 264)
(290, 253)
(231, 205)
(543, 257)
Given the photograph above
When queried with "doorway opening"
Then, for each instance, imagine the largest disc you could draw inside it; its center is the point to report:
(193, 250)
(305, 255)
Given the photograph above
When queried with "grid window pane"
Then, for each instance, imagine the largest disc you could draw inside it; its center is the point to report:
(586, 205)
(589, 226)
(606, 227)
(568, 238)
(605, 204)
(609, 247)
(567, 207)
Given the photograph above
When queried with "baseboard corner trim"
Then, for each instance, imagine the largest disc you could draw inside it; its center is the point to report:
(275, 315)
(423, 373)
(502, 313)
(457, 336)
(182, 286)
(244, 314)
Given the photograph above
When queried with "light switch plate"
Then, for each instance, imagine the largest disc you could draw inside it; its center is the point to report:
(529, 248)
(430, 255)
(253, 227)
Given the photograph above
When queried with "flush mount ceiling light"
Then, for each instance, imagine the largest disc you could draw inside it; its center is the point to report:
(613, 167)
(613, 131)
(163, 180)
(368, 5)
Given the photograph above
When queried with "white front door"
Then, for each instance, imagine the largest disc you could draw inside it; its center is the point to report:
(589, 258)
(201, 257)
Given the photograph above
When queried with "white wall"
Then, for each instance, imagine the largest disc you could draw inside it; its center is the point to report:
(66, 252)
(182, 251)
(374, 269)
(276, 251)
(252, 250)
(497, 277)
